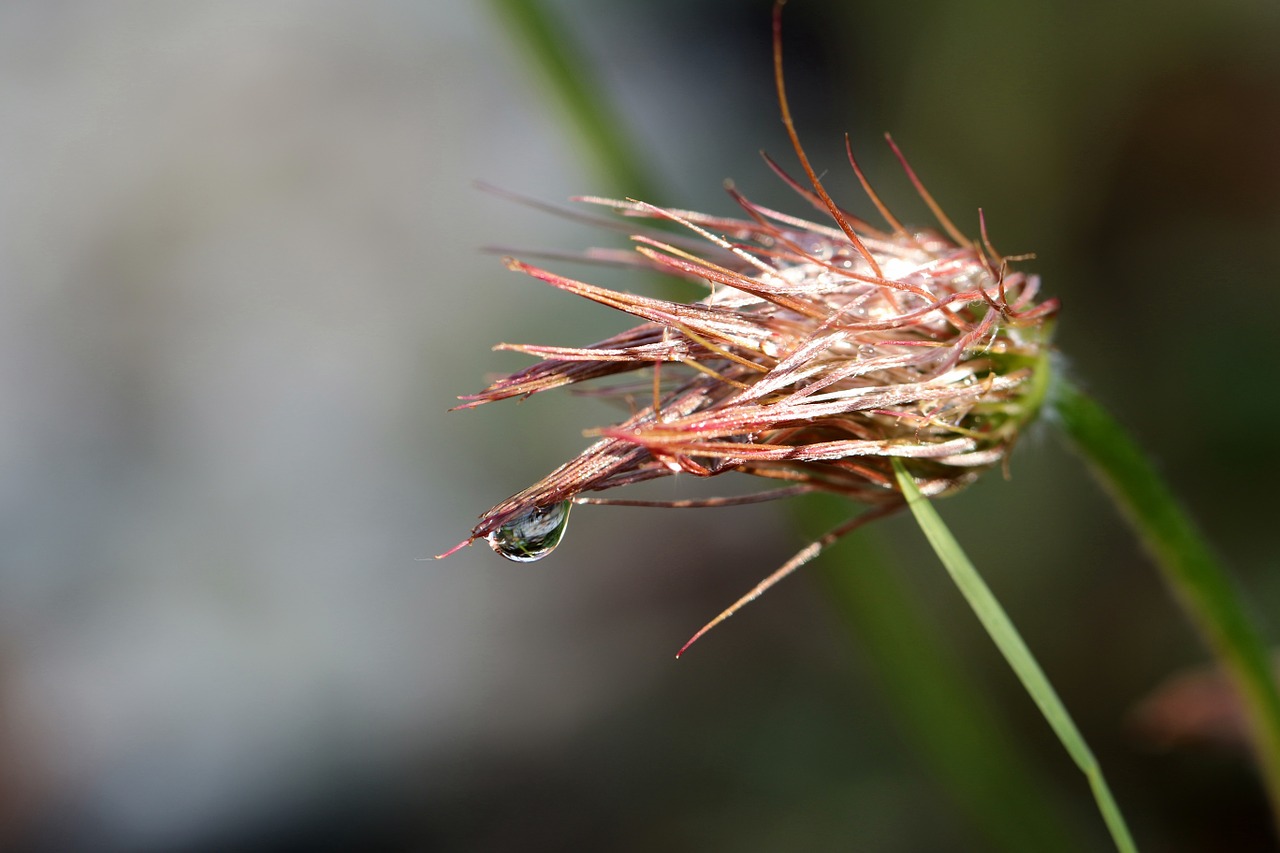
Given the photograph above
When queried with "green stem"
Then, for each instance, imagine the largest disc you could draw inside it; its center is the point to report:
(1189, 566)
(947, 716)
(1015, 651)
(570, 77)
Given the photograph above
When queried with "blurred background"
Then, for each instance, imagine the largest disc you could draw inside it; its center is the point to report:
(242, 283)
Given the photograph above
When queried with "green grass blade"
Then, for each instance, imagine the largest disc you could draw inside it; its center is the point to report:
(944, 714)
(1015, 651)
(1189, 566)
(601, 132)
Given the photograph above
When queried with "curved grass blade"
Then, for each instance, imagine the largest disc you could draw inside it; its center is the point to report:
(949, 720)
(1015, 651)
(1190, 568)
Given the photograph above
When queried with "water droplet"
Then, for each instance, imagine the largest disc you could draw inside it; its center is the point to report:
(821, 249)
(532, 535)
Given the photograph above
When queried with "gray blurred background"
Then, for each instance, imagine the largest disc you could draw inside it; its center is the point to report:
(241, 282)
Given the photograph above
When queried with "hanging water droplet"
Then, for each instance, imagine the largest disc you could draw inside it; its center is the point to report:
(532, 535)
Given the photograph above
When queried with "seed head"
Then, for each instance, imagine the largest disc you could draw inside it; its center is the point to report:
(822, 352)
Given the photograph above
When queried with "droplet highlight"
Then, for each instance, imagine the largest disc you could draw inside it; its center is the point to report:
(533, 535)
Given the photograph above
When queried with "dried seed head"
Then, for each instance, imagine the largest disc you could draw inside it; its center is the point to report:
(822, 352)
(803, 364)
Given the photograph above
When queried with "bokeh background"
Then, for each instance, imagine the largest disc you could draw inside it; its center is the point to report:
(241, 282)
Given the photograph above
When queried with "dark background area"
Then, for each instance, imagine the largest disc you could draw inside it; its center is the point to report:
(239, 253)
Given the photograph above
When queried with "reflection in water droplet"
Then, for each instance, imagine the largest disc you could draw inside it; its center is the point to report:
(533, 535)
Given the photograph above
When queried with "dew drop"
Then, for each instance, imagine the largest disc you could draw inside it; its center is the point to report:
(821, 249)
(532, 535)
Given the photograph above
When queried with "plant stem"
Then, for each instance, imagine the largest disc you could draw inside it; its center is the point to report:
(1189, 566)
(947, 716)
(1015, 651)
